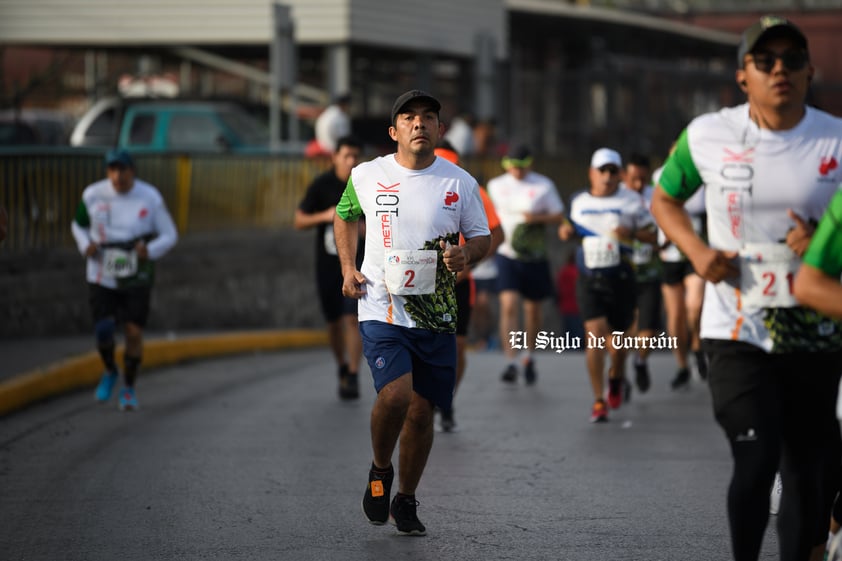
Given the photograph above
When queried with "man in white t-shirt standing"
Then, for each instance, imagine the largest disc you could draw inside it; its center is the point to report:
(122, 227)
(770, 167)
(333, 123)
(526, 203)
(415, 206)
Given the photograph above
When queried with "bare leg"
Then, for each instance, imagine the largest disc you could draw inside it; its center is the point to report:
(695, 286)
(387, 418)
(508, 321)
(595, 358)
(336, 341)
(461, 360)
(353, 342)
(416, 442)
(676, 310)
(532, 318)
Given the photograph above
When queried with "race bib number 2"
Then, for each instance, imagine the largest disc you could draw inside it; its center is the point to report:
(767, 271)
(411, 271)
(119, 263)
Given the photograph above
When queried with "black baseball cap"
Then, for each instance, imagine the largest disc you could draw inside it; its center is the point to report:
(413, 95)
(764, 28)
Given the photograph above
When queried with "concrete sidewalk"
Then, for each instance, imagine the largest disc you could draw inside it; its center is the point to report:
(32, 370)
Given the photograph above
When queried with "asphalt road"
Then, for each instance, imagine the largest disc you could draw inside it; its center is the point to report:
(254, 458)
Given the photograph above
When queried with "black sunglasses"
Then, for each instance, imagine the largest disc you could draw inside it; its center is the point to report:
(610, 169)
(764, 61)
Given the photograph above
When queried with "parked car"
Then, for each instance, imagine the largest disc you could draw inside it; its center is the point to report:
(35, 127)
(171, 125)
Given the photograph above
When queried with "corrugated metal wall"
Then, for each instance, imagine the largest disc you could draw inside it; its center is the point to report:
(444, 26)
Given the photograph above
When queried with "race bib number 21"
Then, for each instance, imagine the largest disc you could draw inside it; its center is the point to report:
(767, 271)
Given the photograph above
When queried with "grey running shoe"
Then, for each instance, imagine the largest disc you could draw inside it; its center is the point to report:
(404, 517)
(377, 492)
(510, 374)
(447, 422)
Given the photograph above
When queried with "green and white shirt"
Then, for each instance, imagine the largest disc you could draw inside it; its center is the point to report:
(115, 222)
(411, 210)
(512, 198)
(825, 251)
(752, 176)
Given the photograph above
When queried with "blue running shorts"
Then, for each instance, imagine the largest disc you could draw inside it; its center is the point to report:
(392, 351)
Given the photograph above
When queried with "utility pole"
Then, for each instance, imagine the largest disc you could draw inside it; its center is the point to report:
(283, 73)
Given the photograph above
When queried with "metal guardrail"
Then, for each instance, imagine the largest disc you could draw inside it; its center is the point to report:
(204, 193)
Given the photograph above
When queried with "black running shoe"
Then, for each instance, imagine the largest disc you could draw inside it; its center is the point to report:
(377, 492)
(701, 364)
(510, 374)
(403, 516)
(349, 387)
(681, 380)
(641, 377)
(529, 373)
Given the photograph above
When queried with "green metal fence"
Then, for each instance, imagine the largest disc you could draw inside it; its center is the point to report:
(203, 192)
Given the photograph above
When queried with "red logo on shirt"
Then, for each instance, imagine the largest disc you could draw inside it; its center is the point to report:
(450, 197)
(143, 213)
(828, 165)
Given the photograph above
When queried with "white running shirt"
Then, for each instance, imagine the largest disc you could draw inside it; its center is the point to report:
(107, 217)
(536, 194)
(406, 210)
(752, 176)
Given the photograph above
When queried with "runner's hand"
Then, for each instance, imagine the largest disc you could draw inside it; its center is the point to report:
(714, 265)
(798, 237)
(454, 256)
(141, 250)
(353, 285)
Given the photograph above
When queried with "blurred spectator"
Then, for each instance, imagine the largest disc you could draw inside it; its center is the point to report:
(460, 134)
(333, 124)
(568, 306)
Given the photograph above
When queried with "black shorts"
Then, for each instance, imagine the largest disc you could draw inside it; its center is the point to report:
(613, 297)
(126, 305)
(463, 305)
(649, 305)
(531, 279)
(674, 272)
(329, 285)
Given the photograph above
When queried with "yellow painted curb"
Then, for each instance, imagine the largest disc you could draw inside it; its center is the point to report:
(85, 370)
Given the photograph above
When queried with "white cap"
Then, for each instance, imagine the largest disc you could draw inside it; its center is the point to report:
(606, 156)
